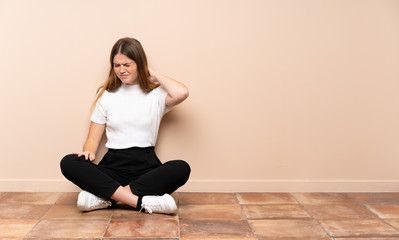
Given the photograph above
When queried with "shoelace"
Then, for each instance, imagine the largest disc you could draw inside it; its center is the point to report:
(143, 206)
(149, 207)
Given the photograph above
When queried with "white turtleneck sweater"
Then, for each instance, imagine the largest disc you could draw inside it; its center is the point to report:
(132, 117)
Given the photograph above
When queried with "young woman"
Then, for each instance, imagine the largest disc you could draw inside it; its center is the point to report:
(129, 108)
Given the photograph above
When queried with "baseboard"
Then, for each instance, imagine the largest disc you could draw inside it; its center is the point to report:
(37, 185)
(217, 185)
(291, 186)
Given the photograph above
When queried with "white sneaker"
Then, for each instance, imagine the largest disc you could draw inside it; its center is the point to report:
(159, 204)
(88, 202)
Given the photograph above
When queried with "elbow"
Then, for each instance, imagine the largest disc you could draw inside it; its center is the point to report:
(177, 97)
(183, 94)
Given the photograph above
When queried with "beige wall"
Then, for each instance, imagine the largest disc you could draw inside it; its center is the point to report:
(285, 95)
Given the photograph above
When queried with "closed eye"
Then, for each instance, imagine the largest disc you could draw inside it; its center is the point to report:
(126, 65)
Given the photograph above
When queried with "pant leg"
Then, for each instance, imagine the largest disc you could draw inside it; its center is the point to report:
(166, 178)
(89, 176)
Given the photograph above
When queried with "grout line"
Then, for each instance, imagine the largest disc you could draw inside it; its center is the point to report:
(4, 194)
(396, 229)
(245, 215)
(364, 205)
(109, 222)
(318, 222)
(41, 218)
(384, 220)
(178, 215)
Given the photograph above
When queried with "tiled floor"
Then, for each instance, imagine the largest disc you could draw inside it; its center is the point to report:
(344, 216)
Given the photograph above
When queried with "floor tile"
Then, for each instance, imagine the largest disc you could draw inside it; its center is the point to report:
(30, 198)
(359, 228)
(207, 198)
(310, 238)
(68, 228)
(15, 228)
(68, 198)
(139, 238)
(215, 229)
(376, 198)
(265, 198)
(343, 211)
(385, 211)
(211, 212)
(51, 238)
(12, 238)
(323, 198)
(17, 211)
(370, 238)
(219, 238)
(141, 228)
(287, 229)
(131, 214)
(72, 212)
(393, 222)
(275, 211)
(214, 216)
(175, 196)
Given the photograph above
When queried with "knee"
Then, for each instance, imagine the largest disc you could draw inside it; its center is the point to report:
(67, 164)
(184, 169)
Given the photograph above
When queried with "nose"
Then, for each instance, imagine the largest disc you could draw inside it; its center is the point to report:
(122, 69)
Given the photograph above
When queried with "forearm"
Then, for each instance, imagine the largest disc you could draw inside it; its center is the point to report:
(177, 91)
(90, 146)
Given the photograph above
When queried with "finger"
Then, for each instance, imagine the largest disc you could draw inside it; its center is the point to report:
(86, 155)
(92, 157)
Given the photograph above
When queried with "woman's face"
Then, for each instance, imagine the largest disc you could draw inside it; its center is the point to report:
(125, 69)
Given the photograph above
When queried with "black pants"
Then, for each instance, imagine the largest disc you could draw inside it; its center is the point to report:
(139, 168)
